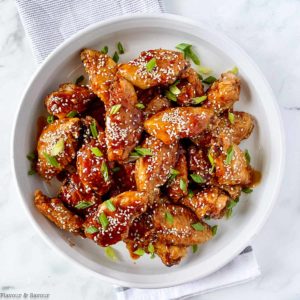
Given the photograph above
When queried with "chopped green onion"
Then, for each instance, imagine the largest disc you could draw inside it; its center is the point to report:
(229, 207)
(31, 156)
(183, 185)
(102, 219)
(31, 172)
(198, 100)
(214, 230)
(104, 171)
(110, 253)
(191, 194)
(230, 153)
(115, 108)
(247, 190)
(209, 80)
(140, 105)
(151, 64)
(183, 46)
(235, 70)
(116, 169)
(50, 119)
(116, 57)
(212, 162)
(94, 130)
(96, 151)
(104, 50)
(79, 79)
(197, 178)
(58, 147)
(169, 218)
(110, 205)
(133, 156)
(120, 48)
(194, 248)
(72, 114)
(171, 96)
(91, 230)
(231, 117)
(174, 89)
(143, 151)
(151, 250)
(83, 204)
(192, 55)
(139, 252)
(247, 156)
(173, 174)
(51, 160)
(198, 226)
(204, 70)
(200, 76)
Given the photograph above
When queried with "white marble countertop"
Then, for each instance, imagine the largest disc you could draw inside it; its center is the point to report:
(270, 32)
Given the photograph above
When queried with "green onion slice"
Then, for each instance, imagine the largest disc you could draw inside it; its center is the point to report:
(247, 190)
(183, 46)
(183, 185)
(120, 48)
(104, 171)
(247, 156)
(151, 64)
(139, 252)
(31, 156)
(91, 230)
(110, 206)
(72, 114)
(230, 153)
(115, 108)
(191, 194)
(209, 80)
(110, 253)
(214, 230)
(169, 217)
(51, 160)
(171, 96)
(143, 151)
(58, 147)
(96, 151)
(198, 100)
(212, 162)
(174, 89)
(231, 117)
(204, 70)
(198, 226)
(104, 50)
(116, 57)
(173, 173)
(50, 119)
(140, 105)
(194, 248)
(197, 178)
(235, 70)
(94, 130)
(83, 204)
(102, 219)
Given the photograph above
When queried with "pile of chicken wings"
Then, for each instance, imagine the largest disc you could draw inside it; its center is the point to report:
(145, 152)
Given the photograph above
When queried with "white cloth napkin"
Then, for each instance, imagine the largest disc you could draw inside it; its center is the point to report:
(47, 24)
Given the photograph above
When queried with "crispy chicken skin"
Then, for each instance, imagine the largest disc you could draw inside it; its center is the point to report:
(92, 167)
(223, 93)
(210, 202)
(179, 231)
(157, 104)
(101, 70)
(170, 255)
(173, 124)
(223, 132)
(174, 189)
(123, 128)
(125, 177)
(73, 191)
(169, 64)
(234, 191)
(127, 206)
(237, 172)
(152, 171)
(68, 98)
(56, 212)
(190, 86)
(66, 133)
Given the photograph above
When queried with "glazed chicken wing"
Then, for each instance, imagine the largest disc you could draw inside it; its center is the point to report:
(166, 67)
(223, 93)
(177, 185)
(233, 172)
(101, 70)
(210, 202)
(190, 87)
(176, 225)
(170, 255)
(123, 121)
(156, 105)
(152, 171)
(57, 146)
(111, 223)
(56, 212)
(124, 176)
(173, 124)
(69, 98)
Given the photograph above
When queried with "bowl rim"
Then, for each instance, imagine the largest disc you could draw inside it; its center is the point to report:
(280, 137)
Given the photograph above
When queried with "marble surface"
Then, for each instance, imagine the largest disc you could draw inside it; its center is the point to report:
(270, 32)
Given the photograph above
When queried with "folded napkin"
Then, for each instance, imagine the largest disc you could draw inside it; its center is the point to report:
(47, 24)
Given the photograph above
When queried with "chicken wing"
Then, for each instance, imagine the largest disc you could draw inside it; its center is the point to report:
(223, 93)
(56, 212)
(210, 202)
(190, 86)
(176, 123)
(124, 176)
(177, 185)
(170, 255)
(101, 70)
(152, 171)
(176, 225)
(111, 223)
(57, 146)
(156, 105)
(69, 98)
(123, 121)
(166, 67)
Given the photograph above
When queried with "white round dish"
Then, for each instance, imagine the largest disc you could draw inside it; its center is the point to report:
(266, 146)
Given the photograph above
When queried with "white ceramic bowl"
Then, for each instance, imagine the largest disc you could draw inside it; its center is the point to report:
(266, 146)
